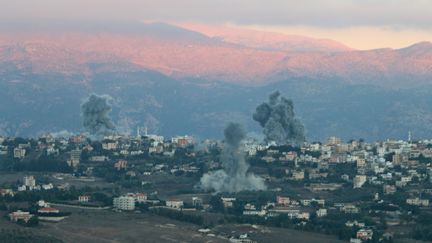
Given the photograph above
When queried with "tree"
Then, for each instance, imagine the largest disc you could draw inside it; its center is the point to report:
(216, 204)
(389, 156)
(33, 221)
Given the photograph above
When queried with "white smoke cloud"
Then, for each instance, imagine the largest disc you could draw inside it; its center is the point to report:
(234, 176)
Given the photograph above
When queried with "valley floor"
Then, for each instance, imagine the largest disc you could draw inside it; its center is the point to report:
(106, 226)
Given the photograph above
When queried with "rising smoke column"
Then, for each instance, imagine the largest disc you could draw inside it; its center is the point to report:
(233, 177)
(277, 118)
(95, 113)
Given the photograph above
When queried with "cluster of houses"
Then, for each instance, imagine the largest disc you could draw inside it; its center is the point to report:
(393, 166)
(302, 210)
(29, 184)
(44, 213)
(129, 201)
(124, 146)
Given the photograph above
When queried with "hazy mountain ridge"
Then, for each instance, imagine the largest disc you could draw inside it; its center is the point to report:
(266, 40)
(182, 53)
(194, 84)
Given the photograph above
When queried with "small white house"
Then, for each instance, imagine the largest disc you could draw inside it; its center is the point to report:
(174, 203)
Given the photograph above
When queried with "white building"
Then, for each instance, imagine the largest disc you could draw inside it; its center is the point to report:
(83, 198)
(174, 203)
(285, 201)
(75, 156)
(20, 215)
(100, 158)
(322, 212)
(48, 186)
(52, 150)
(228, 202)
(418, 202)
(4, 192)
(196, 201)
(29, 181)
(43, 204)
(140, 197)
(255, 212)
(156, 138)
(124, 203)
(19, 153)
(303, 215)
(110, 146)
(360, 163)
(364, 234)
(359, 181)
(349, 208)
(298, 175)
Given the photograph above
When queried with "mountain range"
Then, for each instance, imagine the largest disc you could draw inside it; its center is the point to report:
(193, 78)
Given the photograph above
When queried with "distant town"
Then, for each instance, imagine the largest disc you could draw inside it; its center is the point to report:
(355, 191)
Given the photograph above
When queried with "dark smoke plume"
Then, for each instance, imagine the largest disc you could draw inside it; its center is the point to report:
(95, 112)
(277, 118)
(233, 177)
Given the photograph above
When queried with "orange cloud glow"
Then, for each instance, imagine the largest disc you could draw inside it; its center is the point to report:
(362, 38)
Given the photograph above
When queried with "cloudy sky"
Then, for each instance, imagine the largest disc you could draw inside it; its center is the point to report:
(361, 24)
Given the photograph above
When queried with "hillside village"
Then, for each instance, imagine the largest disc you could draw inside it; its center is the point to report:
(358, 191)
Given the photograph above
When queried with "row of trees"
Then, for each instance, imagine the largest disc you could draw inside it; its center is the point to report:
(24, 236)
(179, 215)
(57, 195)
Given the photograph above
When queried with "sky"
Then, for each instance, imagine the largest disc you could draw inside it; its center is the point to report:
(361, 24)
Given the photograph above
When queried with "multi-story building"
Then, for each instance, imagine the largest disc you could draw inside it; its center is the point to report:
(333, 141)
(110, 146)
(360, 163)
(228, 202)
(29, 181)
(140, 197)
(19, 153)
(183, 141)
(75, 156)
(322, 212)
(282, 200)
(359, 181)
(298, 175)
(196, 201)
(84, 198)
(121, 164)
(349, 208)
(124, 203)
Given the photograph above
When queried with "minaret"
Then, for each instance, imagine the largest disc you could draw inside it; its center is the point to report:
(138, 132)
(409, 136)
